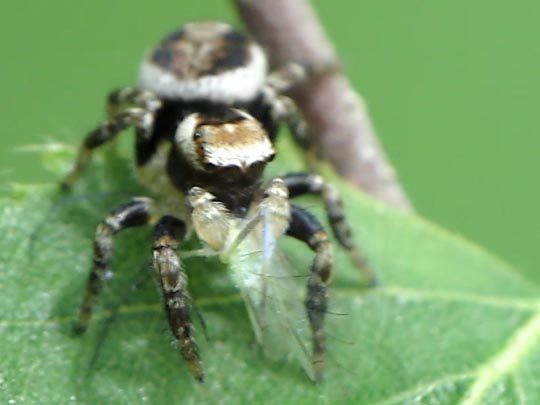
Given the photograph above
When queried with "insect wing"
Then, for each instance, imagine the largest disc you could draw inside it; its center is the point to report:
(273, 294)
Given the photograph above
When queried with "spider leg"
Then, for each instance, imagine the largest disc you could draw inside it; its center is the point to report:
(210, 218)
(294, 73)
(284, 109)
(118, 100)
(173, 283)
(275, 205)
(306, 228)
(303, 183)
(126, 107)
(134, 213)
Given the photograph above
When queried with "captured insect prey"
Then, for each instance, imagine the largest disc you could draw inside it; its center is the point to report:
(206, 113)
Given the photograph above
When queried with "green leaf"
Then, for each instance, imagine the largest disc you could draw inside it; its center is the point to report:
(449, 323)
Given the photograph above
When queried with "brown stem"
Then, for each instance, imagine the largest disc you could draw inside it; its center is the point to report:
(290, 30)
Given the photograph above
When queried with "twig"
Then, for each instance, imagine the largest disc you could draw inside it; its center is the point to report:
(290, 30)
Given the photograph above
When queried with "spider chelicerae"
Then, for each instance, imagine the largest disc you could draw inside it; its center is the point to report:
(206, 113)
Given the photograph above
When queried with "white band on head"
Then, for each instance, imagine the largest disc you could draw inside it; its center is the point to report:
(236, 85)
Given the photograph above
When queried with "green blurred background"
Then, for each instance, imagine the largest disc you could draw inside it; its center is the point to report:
(452, 88)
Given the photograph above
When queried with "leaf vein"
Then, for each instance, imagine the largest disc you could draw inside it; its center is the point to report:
(505, 361)
(494, 301)
(418, 391)
(392, 291)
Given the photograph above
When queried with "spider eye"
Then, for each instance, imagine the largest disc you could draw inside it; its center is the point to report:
(197, 135)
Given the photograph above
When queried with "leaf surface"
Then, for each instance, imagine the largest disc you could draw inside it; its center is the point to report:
(448, 324)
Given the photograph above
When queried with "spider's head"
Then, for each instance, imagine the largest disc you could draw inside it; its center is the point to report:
(227, 141)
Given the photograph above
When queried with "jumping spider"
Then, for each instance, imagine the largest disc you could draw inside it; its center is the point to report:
(206, 115)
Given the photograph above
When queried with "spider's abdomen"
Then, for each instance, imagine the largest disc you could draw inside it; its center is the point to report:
(205, 61)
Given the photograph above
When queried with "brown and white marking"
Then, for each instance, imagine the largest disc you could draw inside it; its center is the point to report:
(238, 141)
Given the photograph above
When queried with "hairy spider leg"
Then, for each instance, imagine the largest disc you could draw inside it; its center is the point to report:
(126, 107)
(304, 183)
(292, 74)
(120, 99)
(306, 228)
(133, 213)
(173, 283)
(284, 109)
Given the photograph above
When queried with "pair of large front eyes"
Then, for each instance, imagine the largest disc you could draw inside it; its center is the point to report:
(231, 170)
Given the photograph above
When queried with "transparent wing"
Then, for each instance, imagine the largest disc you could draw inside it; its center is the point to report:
(274, 295)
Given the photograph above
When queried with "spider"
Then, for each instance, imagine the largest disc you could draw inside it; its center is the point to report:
(206, 113)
